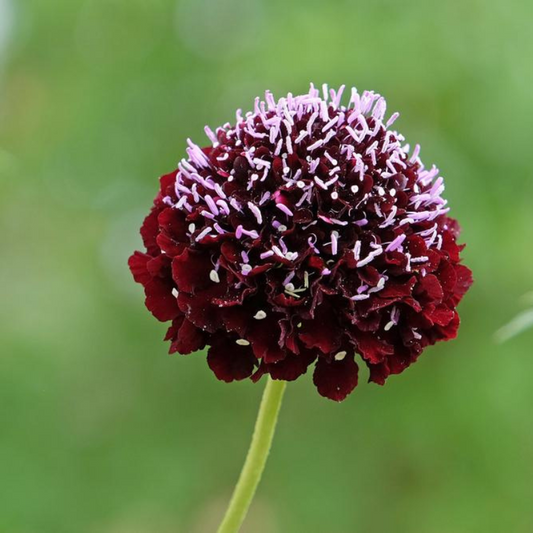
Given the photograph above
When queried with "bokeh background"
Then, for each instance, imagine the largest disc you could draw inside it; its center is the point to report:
(100, 430)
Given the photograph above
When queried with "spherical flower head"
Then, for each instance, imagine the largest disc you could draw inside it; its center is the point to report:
(306, 234)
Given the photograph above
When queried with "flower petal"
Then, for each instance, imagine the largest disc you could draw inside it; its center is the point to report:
(190, 271)
(230, 361)
(335, 379)
(322, 332)
(137, 263)
(160, 301)
(292, 366)
(186, 338)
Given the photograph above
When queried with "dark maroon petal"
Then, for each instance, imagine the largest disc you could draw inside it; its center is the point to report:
(137, 263)
(402, 358)
(236, 318)
(169, 246)
(335, 379)
(322, 332)
(369, 275)
(398, 289)
(260, 372)
(416, 246)
(190, 271)
(450, 246)
(430, 288)
(186, 338)
(292, 366)
(447, 332)
(231, 296)
(172, 237)
(365, 322)
(264, 336)
(173, 224)
(464, 281)
(378, 373)
(149, 231)
(230, 361)
(230, 251)
(282, 300)
(172, 331)
(166, 186)
(440, 314)
(452, 226)
(160, 301)
(159, 267)
(372, 348)
(447, 277)
(200, 309)
(375, 304)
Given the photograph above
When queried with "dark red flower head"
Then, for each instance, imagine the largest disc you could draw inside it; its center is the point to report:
(304, 235)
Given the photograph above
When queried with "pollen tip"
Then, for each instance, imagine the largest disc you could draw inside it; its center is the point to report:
(340, 356)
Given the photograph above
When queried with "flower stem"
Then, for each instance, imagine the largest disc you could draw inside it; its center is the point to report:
(254, 465)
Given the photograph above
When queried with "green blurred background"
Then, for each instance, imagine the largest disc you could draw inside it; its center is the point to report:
(100, 430)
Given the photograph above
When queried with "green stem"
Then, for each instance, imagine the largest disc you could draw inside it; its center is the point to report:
(256, 458)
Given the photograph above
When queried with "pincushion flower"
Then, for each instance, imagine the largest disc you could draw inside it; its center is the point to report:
(307, 234)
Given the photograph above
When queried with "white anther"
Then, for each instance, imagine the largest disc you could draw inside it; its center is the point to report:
(246, 269)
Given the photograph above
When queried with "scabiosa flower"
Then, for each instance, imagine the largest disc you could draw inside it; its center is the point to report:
(307, 233)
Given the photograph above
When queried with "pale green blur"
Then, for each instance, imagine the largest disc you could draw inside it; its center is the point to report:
(100, 430)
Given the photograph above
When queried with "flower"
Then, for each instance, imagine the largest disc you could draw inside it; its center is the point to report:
(305, 234)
